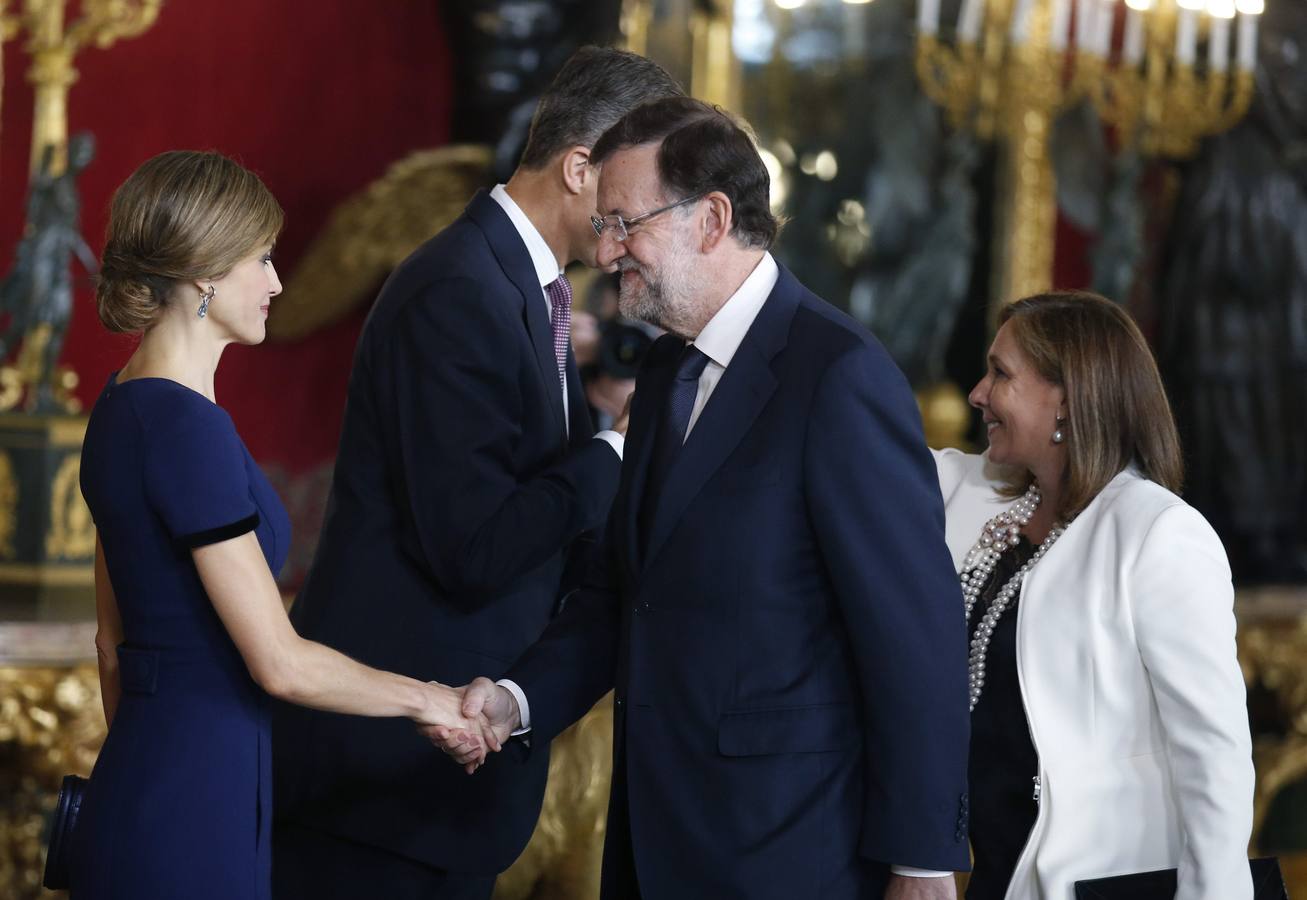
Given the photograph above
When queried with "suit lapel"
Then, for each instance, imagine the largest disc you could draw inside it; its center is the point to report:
(515, 260)
(740, 395)
(582, 426)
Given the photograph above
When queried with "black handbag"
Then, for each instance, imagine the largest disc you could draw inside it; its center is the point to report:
(1268, 884)
(62, 824)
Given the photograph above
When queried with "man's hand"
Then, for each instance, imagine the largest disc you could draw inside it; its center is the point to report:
(497, 715)
(905, 887)
(442, 722)
(609, 395)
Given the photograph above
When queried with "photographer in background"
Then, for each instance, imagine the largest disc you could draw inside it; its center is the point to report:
(608, 350)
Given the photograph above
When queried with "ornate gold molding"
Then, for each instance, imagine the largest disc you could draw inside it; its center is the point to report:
(72, 533)
(8, 506)
(51, 724)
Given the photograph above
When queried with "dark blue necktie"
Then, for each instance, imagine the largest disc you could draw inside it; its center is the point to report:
(671, 431)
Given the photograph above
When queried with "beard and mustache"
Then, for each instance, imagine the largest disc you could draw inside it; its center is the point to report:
(660, 295)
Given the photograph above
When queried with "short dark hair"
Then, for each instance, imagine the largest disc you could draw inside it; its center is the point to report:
(595, 88)
(704, 148)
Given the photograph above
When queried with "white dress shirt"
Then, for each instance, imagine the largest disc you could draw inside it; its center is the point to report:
(718, 341)
(725, 331)
(547, 271)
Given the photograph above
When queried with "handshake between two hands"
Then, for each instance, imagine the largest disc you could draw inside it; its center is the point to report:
(469, 723)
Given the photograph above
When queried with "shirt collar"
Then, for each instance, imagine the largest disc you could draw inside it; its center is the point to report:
(542, 258)
(725, 331)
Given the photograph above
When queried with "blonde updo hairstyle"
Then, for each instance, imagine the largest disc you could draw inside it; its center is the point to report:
(183, 216)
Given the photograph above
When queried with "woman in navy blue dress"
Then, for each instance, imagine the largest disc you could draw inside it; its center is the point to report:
(192, 636)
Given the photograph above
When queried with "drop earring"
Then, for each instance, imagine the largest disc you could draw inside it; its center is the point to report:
(1059, 436)
(205, 299)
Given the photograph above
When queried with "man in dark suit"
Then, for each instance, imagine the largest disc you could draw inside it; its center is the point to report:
(778, 610)
(468, 469)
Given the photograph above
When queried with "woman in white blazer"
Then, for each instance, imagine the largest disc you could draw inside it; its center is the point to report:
(1109, 729)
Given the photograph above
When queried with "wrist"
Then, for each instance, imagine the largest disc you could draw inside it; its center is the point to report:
(424, 701)
(515, 711)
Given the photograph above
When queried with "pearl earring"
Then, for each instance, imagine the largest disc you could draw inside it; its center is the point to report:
(205, 299)
(1059, 435)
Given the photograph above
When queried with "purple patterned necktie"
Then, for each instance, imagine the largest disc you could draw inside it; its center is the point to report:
(560, 321)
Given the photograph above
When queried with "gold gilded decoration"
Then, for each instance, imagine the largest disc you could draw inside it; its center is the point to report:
(72, 532)
(11, 388)
(1012, 95)
(563, 859)
(945, 415)
(1015, 67)
(53, 47)
(25, 430)
(1274, 656)
(373, 231)
(634, 25)
(51, 724)
(713, 67)
(25, 373)
(8, 506)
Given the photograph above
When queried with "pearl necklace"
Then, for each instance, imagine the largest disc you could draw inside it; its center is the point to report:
(999, 534)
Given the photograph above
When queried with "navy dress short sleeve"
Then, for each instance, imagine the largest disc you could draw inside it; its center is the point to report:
(196, 478)
(180, 801)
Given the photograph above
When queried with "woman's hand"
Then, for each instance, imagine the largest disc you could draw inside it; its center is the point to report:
(468, 740)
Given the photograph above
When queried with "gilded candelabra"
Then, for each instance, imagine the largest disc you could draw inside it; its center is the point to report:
(1016, 64)
(53, 45)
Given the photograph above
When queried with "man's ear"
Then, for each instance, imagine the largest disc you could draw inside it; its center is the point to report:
(717, 218)
(576, 170)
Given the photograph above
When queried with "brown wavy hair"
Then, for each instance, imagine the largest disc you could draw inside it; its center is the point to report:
(181, 217)
(1118, 412)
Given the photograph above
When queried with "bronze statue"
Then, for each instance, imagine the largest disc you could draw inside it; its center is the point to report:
(1233, 318)
(37, 294)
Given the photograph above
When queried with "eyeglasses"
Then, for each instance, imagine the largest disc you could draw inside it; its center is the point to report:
(622, 227)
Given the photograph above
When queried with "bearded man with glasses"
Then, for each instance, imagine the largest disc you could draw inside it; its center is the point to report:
(777, 608)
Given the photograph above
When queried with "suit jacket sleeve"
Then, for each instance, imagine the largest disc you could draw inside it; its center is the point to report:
(1183, 607)
(574, 663)
(459, 413)
(875, 506)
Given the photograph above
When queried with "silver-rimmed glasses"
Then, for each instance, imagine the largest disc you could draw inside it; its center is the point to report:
(622, 227)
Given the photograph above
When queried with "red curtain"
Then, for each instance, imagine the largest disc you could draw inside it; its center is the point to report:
(318, 99)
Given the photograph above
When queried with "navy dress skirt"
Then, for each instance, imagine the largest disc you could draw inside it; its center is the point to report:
(179, 803)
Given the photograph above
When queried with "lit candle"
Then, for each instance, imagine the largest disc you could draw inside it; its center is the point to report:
(1021, 23)
(1084, 25)
(1186, 37)
(1218, 45)
(1134, 36)
(1106, 16)
(1057, 35)
(928, 16)
(1247, 48)
(969, 20)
